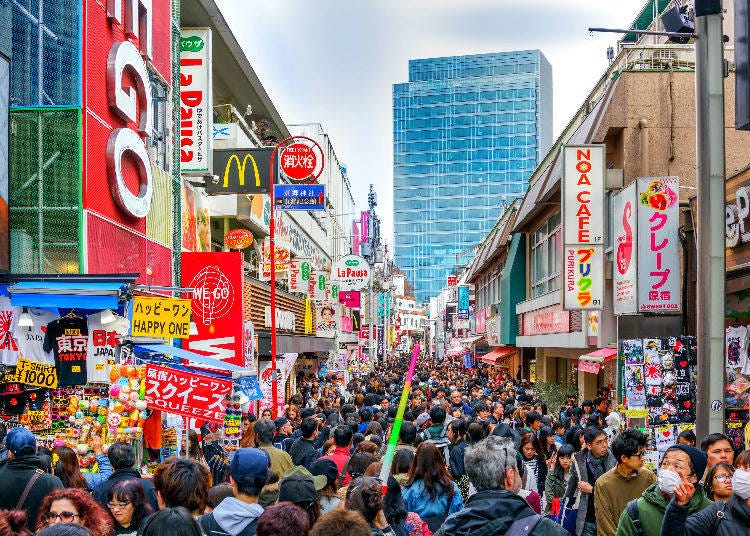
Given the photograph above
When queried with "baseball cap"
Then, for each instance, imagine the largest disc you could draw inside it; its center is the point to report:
(423, 418)
(249, 463)
(319, 481)
(298, 489)
(327, 468)
(280, 422)
(20, 440)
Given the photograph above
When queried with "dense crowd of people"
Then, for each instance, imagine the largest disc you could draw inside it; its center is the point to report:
(477, 455)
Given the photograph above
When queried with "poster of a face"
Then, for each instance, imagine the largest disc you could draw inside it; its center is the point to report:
(327, 320)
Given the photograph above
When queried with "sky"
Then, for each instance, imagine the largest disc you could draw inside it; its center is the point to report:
(334, 62)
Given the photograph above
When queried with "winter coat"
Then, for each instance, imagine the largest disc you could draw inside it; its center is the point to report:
(456, 461)
(486, 506)
(541, 474)
(280, 460)
(651, 507)
(736, 521)
(553, 487)
(303, 452)
(612, 493)
(418, 500)
(100, 491)
(15, 474)
(340, 457)
(579, 472)
(105, 471)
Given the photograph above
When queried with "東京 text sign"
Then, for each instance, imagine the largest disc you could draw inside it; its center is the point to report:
(241, 171)
(187, 393)
(161, 317)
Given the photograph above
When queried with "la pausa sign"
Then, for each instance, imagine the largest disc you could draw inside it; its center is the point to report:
(351, 272)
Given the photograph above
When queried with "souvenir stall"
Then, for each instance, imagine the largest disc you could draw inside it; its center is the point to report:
(737, 384)
(659, 388)
(71, 369)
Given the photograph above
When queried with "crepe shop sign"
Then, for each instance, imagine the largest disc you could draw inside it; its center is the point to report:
(186, 393)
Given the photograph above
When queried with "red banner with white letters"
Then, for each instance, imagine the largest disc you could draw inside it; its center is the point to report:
(187, 393)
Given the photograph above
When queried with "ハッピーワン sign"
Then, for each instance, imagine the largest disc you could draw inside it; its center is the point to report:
(352, 272)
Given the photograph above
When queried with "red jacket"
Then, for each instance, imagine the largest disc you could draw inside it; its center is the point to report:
(340, 456)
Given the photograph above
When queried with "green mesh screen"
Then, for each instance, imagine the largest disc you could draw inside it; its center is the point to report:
(44, 189)
(176, 184)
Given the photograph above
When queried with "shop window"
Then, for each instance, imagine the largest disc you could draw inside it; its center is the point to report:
(546, 257)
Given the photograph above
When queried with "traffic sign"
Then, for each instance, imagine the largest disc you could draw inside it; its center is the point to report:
(299, 197)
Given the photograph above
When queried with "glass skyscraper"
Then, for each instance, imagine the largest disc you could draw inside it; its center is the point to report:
(468, 132)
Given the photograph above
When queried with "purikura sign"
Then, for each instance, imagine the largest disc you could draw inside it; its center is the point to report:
(352, 272)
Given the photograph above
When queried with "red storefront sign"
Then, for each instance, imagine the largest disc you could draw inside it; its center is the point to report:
(187, 393)
(546, 321)
(363, 332)
(217, 280)
(589, 366)
(350, 298)
(122, 42)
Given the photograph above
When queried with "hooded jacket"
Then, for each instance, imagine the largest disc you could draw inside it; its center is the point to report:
(233, 517)
(15, 474)
(651, 507)
(736, 520)
(579, 472)
(486, 506)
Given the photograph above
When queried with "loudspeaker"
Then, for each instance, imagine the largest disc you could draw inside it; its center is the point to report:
(707, 7)
(675, 21)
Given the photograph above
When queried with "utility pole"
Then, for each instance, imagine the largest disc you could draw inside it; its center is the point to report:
(710, 175)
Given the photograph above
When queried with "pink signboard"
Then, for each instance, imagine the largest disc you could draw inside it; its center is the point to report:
(589, 366)
(481, 321)
(545, 321)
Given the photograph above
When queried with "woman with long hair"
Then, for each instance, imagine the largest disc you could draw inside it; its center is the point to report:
(557, 478)
(128, 505)
(74, 505)
(292, 413)
(547, 444)
(429, 491)
(194, 450)
(365, 496)
(67, 468)
(402, 460)
(457, 433)
(248, 436)
(327, 497)
(573, 437)
(534, 463)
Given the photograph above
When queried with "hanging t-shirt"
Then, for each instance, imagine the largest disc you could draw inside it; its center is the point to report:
(68, 338)
(31, 339)
(104, 341)
(8, 343)
(737, 346)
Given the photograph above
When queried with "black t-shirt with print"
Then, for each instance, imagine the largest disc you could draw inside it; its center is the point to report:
(68, 338)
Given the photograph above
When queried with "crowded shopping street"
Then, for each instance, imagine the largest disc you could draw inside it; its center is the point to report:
(374, 268)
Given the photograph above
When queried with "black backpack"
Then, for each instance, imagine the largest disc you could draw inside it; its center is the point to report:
(211, 528)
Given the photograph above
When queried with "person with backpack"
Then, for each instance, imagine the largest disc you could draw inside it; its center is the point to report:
(496, 509)
(238, 515)
(437, 434)
(644, 516)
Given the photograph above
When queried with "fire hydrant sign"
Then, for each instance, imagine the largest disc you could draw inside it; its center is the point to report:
(658, 244)
(187, 393)
(167, 318)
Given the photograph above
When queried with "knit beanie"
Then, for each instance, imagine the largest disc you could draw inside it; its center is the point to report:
(698, 458)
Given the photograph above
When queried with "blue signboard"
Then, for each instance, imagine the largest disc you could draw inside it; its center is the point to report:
(299, 197)
(463, 302)
(250, 387)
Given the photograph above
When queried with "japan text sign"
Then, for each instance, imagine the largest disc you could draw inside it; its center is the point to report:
(625, 272)
(463, 302)
(186, 393)
(161, 317)
(299, 197)
(451, 280)
(583, 284)
(35, 374)
(583, 194)
(658, 244)
(196, 100)
(299, 161)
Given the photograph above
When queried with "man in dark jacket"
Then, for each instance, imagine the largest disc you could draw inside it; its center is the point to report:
(122, 458)
(22, 474)
(495, 507)
(303, 451)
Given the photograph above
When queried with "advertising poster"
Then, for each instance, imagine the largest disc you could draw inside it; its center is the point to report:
(196, 220)
(625, 273)
(196, 100)
(187, 393)
(583, 284)
(583, 194)
(265, 373)
(658, 244)
(463, 302)
(299, 275)
(328, 316)
(217, 280)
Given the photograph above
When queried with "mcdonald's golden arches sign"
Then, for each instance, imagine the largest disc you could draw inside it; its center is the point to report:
(241, 171)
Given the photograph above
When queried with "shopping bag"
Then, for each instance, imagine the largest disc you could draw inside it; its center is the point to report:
(569, 515)
(554, 509)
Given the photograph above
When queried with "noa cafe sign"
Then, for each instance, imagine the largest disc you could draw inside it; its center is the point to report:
(352, 272)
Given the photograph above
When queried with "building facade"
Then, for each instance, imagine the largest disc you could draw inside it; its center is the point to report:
(468, 131)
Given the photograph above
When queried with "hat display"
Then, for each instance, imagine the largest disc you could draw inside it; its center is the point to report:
(249, 463)
(320, 481)
(298, 489)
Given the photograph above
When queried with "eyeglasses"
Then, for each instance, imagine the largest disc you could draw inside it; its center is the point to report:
(723, 478)
(65, 517)
(637, 455)
(118, 506)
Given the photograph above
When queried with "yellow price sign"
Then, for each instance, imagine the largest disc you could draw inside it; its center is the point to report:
(36, 374)
(166, 318)
(636, 413)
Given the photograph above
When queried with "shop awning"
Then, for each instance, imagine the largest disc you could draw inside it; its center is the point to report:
(456, 350)
(470, 340)
(165, 349)
(502, 354)
(602, 355)
(66, 295)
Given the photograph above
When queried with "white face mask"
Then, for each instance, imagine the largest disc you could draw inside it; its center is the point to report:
(741, 484)
(668, 481)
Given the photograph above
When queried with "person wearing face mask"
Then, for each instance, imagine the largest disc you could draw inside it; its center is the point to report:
(643, 516)
(730, 518)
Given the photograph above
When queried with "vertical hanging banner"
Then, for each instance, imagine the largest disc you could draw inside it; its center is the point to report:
(625, 273)
(463, 302)
(584, 167)
(196, 100)
(217, 283)
(658, 244)
(299, 275)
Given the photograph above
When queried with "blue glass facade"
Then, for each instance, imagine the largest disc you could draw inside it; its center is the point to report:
(468, 132)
